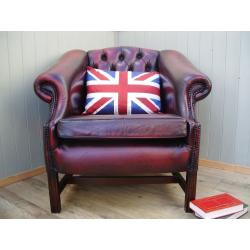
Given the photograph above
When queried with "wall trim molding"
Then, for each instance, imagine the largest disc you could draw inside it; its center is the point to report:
(224, 166)
(22, 176)
(202, 163)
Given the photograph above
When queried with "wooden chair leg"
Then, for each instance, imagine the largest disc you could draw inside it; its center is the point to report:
(54, 191)
(190, 192)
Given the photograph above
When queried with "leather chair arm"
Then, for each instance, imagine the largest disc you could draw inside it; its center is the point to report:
(53, 85)
(190, 85)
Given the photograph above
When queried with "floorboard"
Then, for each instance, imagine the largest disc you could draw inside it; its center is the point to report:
(29, 198)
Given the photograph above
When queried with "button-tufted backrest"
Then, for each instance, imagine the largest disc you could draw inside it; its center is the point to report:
(124, 59)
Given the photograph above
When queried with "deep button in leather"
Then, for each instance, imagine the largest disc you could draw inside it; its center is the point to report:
(95, 65)
(104, 57)
(148, 66)
(131, 67)
(121, 57)
(139, 55)
(113, 67)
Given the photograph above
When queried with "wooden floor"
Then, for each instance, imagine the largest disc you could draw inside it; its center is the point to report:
(29, 198)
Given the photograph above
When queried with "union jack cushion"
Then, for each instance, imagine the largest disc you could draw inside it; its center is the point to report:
(122, 92)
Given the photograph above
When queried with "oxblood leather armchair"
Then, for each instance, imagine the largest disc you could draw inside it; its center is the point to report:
(117, 148)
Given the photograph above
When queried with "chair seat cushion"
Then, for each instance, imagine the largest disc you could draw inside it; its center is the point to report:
(108, 158)
(122, 126)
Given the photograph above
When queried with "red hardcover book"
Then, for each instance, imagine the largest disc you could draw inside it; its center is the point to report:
(230, 216)
(216, 206)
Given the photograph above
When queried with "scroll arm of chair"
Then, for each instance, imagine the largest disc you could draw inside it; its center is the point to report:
(190, 84)
(53, 87)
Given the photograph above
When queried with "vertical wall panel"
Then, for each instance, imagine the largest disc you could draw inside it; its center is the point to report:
(24, 55)
(243, 122)
(229, 118)
(53, 52)
(132, 39)
(137, 39)
(225, 58)
(32, 105)
(217, 95)
(182, 42)
(7, 145)
(206, 62)
(66, 41)
(151, 39)
(193, 47)
(17, 108)
(170, 40)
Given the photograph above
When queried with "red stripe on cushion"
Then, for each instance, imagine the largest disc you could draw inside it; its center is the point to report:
(97, 105)
(123, 93)
(97, 74)
(148, 104)
(130, 88)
